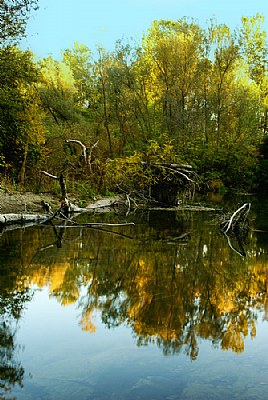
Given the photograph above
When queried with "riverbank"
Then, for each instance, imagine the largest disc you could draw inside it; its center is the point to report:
(28, 202)
(16, 202)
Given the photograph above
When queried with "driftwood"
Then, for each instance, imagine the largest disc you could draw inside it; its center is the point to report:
(7, 219)
(184, 170)
(186, 207)
(66, 206)
(236, 243)
(173, 181)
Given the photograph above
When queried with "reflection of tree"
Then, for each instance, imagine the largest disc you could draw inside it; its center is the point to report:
(11, 372)
(172, 293)
(173, 297)
(14, 293)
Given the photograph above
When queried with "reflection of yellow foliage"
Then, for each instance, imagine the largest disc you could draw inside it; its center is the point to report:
(143, 297)
(233, 340)
(213, 295)
(53, 276)
(225, 302)
(57, 276)
(86, 322)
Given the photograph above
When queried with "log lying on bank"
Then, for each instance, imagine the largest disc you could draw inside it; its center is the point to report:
(173, 180)
(104, 204)
(9, 219)
(27, 219)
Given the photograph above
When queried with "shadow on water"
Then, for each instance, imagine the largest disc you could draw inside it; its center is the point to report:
(172, 278)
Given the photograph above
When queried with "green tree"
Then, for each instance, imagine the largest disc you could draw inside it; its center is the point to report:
(225, 58)
(13, 19)
(101, 68)
(253, 40)
(57, 90)
(175, 50)
(21, 130)
(79, 61)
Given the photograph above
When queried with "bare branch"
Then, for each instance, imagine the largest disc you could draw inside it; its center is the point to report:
(240, 213)
(83, 147)
(49, 175)
(90, 154)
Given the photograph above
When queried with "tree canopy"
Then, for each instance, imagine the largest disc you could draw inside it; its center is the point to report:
(13, 19)
(201, 92)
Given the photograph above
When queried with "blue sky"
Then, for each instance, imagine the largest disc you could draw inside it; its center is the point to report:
(59, 23)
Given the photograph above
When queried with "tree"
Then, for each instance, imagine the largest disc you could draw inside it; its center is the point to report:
(79, 61)
(175, 50)
(123, 97)
(57, 90)
(13, 18)
(225, 59)
(101, 69)
(253, 41)
(21, 128)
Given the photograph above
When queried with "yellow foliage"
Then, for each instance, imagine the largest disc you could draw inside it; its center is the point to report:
(57, 74)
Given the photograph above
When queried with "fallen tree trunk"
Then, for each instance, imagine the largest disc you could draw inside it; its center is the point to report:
(8, 219)
(25, 219)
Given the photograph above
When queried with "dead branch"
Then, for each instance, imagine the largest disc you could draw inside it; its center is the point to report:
(237, 219)
(239, 248)
(174, 168)
(90, 155)
(94, 224)
(49, 175)
(83, 147)
(86, 152)
(65, 204)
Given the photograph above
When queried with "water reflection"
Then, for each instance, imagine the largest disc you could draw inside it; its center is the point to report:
(172, 278)
(12, 301)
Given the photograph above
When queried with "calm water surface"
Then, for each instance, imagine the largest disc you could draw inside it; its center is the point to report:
(166, 309)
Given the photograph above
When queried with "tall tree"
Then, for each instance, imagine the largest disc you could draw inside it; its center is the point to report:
(225, 58)
(253, 41)
(20, 123)
(57, 90)
(79, 61)
(175, 50)
(101, 68)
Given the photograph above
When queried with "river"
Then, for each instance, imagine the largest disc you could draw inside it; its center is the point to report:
(169, 308)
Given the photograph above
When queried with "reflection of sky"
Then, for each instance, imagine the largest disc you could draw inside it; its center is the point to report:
(67, 363)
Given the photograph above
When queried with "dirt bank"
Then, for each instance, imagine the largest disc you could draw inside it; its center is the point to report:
(16, 202)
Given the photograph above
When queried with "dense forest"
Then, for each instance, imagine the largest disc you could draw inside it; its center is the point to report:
(185, 94)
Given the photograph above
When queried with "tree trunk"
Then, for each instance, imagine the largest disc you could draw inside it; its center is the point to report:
(23, 166)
